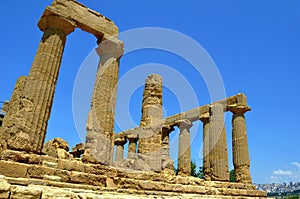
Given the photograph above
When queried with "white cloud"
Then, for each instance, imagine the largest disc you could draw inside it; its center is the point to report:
(289, 173)
(282, 173)
(297, 164)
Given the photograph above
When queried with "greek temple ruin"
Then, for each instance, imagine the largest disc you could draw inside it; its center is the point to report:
(98, 168)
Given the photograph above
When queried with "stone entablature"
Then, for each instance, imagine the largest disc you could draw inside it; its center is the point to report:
(86, 19)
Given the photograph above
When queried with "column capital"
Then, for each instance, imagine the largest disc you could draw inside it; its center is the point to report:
(184, 124)
(239, 109)
(204, 117)
(110, 46)
(56, 22)
(132, 137)
(167, 129)
(120, 141)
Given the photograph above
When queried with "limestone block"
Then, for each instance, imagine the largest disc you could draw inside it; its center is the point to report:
(48, 159)
(35, 171)
(85, 18)
(57, 143)
(90, 179)
(4, 187)
(70, 165)
(63, 154)
(52, 178)
(92, 196)
(49, 164)
(111, 183)
(13, 169)
(58, 194)
(63, 175)
(34, 159)
(57, 148)
(25, 192)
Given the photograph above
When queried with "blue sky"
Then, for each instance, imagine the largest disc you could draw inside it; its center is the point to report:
(254, 44)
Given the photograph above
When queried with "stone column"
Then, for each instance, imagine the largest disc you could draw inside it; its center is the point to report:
(206, 147)
(217, 142)
(30, 120)
(12, 108)
(241, 160)
(120, 142)
(150, 138)
(184, 153)
(167, 163)
(132, 146)
(100, 124)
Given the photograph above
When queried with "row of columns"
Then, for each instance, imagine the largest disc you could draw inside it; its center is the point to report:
(215, 156)
(132, 147)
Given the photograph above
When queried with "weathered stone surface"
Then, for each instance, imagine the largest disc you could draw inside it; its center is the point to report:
(132, 146)
(35, 171)
(167, 163)
(206, 148)
(241, 160)
(140, 182)
(85, 18)
(11, 109)
(23, 192)
(70, 165)
(217, 143)
(100, 124)
(111, 183)
(4, 187)
(194, 114)
(184, 152)
(91, 179)
(57, 148)
(58, 193)
(78, 150)
(49, 164)
(52, 178)
(150, 138)
(13, 169)
(29, 120)
(120, 142)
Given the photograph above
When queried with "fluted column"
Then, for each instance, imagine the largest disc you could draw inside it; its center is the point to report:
(184, 151)
(31, 117)
(100, 124)
(241, 160)
(206, 147)
(218, 145)
(132, 146)
(120, 142)
(167, 163)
